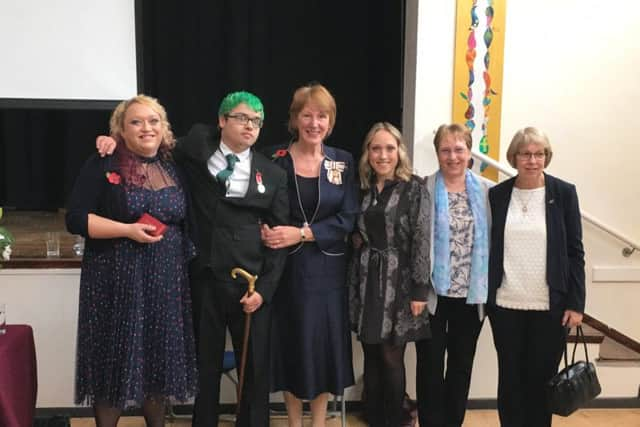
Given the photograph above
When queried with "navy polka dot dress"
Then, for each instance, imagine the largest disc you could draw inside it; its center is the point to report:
(135, 332)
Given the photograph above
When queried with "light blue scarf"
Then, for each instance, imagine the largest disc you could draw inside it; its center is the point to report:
(441, 274)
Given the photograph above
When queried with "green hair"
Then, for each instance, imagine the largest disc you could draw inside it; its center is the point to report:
(234, 99)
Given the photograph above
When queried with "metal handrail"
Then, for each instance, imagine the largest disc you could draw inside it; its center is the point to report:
(626, 252)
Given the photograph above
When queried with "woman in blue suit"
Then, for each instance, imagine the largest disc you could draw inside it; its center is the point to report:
(536, 278)
(312, 341)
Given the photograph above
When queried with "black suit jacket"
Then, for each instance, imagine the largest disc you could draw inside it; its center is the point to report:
(226, 231)
(565, 254)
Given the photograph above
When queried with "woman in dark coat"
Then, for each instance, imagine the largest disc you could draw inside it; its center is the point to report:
(389, 277)
(312, 341)
(536, 278)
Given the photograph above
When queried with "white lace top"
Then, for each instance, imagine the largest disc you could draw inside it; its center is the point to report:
(524, 285)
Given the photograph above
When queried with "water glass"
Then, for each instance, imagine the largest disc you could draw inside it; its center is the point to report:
(52, 240)
(78, 246)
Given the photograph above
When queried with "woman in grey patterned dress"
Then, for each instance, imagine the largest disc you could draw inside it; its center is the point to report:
(389, 277)
(459, 268)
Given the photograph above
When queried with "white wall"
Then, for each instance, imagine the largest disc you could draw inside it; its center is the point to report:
(47, 300)
(571, 69)
(431, 74)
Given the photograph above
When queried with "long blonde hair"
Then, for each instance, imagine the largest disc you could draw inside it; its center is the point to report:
(403, 168)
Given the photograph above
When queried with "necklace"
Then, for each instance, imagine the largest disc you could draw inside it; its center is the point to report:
(524, 205)
(307, 222)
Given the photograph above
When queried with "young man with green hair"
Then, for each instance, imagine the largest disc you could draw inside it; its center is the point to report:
(233, 190)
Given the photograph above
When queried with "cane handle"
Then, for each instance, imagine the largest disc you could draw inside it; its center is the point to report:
(249, 277)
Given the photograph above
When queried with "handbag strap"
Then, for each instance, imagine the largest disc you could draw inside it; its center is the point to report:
(579, 335)
(566, 346)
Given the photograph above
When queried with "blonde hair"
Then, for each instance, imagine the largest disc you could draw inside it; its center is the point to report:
(116, 123)
(315, 94)
(529, 135)
(403, 168)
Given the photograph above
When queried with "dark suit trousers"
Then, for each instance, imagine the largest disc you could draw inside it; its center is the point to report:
(442, 397)
(529, 346)
(216, 307)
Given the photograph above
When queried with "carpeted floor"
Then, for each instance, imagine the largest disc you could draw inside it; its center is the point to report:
(475, 418)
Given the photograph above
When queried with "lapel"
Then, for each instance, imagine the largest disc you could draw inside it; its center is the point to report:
(366, 203)
(252, 191)
(327, 190)
(551, 198)
(211, 146)
(553, 216)
(502, 198)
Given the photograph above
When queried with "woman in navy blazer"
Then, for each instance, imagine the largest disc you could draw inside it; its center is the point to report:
(536, 278)
(312, 340)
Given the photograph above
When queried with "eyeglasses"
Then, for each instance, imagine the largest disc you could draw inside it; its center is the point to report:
(446, 152)
(152, 122)
(244, 119)
(527, 156)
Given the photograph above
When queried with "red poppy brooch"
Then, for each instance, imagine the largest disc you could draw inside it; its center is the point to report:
(279, 153)
(113, 178)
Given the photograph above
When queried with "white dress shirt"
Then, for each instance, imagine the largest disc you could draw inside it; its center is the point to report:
(238, 181)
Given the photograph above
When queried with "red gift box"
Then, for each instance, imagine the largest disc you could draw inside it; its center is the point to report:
(150, 220)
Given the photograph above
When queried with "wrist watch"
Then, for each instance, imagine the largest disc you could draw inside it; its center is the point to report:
(302, 236)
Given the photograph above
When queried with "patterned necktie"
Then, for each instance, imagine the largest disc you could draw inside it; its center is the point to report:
(224, 174)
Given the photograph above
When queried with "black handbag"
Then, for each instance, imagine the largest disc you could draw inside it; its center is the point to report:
(575, 385)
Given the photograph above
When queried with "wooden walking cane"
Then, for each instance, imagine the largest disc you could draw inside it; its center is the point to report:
(247, 327)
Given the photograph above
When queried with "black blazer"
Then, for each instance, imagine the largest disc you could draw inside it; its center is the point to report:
(565, 254)
(226, 231)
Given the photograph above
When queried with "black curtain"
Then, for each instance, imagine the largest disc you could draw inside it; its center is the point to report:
(41, 152)
(193, 53)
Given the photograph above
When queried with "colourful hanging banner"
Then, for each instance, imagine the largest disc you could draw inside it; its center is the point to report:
(477, 80)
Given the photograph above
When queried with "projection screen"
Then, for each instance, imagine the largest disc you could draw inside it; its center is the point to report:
(67, 53)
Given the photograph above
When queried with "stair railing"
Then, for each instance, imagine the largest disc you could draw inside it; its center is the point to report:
(626, 251)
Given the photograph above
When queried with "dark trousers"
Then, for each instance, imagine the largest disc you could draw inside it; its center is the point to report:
(384, 384)
(529, 346)
(442, 395)
(216, 308)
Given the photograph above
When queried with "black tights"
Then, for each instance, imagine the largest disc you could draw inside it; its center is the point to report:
(106, 415)
(384, 383)
(153, 410)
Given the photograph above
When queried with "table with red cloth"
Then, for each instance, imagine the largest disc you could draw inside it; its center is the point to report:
(18, 377)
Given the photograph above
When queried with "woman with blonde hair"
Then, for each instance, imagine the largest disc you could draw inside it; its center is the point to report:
(389, 279)
(135, 332)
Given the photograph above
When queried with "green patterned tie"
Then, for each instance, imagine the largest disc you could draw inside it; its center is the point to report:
(224, 174)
